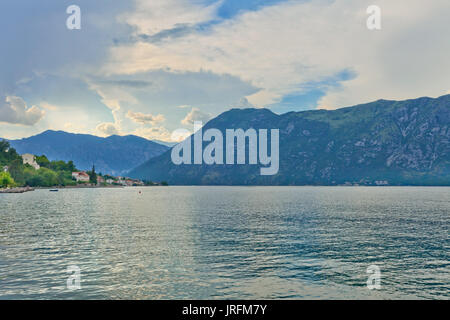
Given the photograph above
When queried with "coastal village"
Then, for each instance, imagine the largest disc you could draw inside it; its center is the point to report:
(79, 178)
(83, 177)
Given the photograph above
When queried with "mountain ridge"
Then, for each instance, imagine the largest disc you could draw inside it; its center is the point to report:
(114, 155)
(386, 141)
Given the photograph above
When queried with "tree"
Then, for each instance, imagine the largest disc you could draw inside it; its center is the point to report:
(71, 166)
(4, 145)
(43, 161)
(7, 154)
(6, 180)
(41, 178)
(92, 175)
(16, 169)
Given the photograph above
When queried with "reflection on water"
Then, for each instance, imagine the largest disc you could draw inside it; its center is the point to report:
(226, 242)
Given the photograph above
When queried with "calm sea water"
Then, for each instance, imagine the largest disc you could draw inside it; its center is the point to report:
(226, 243)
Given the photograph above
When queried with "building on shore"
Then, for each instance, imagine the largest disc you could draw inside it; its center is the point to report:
(80, 176)
(100, 180)
(5, 169)
(127, 182)
(138, 183)
(133, 183)
(31, 160)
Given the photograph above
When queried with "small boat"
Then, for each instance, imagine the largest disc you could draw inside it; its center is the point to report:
(54, 190)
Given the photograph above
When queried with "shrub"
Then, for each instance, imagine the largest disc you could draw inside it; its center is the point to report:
(6, 180)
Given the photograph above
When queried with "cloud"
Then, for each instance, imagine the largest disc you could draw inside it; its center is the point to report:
(154, 133)
(15, 111)
(107, 129)
(49, 106)
(142, 118)
(152, 17)
(196, 115)
(127, 83)
(179, 135)
(243, 104)
(131, 106)
(283, 47)
(149, 57)
(113, 95)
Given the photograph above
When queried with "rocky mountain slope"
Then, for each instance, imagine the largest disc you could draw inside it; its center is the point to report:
(379, 143)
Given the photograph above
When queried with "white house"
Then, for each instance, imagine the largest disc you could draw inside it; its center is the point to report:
(80, 176)
(31, 160)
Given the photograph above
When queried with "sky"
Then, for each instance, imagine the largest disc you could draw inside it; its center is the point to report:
(149, 68)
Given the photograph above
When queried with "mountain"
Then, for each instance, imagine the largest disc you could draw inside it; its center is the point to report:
(165, 143)
(114, 155)
(383, 142)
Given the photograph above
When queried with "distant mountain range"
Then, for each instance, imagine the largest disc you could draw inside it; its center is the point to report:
(383, 142)
(114, 155)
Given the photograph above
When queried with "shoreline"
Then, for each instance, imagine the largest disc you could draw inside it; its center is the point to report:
(28, 189)
(77, 187)
(17, 190)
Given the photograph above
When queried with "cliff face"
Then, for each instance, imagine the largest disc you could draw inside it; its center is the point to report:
(383, 142)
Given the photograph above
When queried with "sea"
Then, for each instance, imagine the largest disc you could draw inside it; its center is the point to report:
(226, 243)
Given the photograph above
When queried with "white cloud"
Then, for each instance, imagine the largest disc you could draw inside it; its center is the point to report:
(49, 106)
(243, 104)
(283, 47)
(143, 118)
(151, 17)
(179, 135)
(15, 111)
(154, 133)
(113, 95)
(196, 115)
(107, 129)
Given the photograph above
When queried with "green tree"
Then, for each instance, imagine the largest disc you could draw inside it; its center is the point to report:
(51, 173)
(92, 175)
(43, 161)
(6, 180)
(41, 178)
(71, 167)
(4, 145)
(16, 169)
(7, 154)
(55, 165)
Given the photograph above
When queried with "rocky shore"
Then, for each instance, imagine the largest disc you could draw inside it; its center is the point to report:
(16, 190)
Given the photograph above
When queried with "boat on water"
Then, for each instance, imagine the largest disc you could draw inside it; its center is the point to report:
(54, 190)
